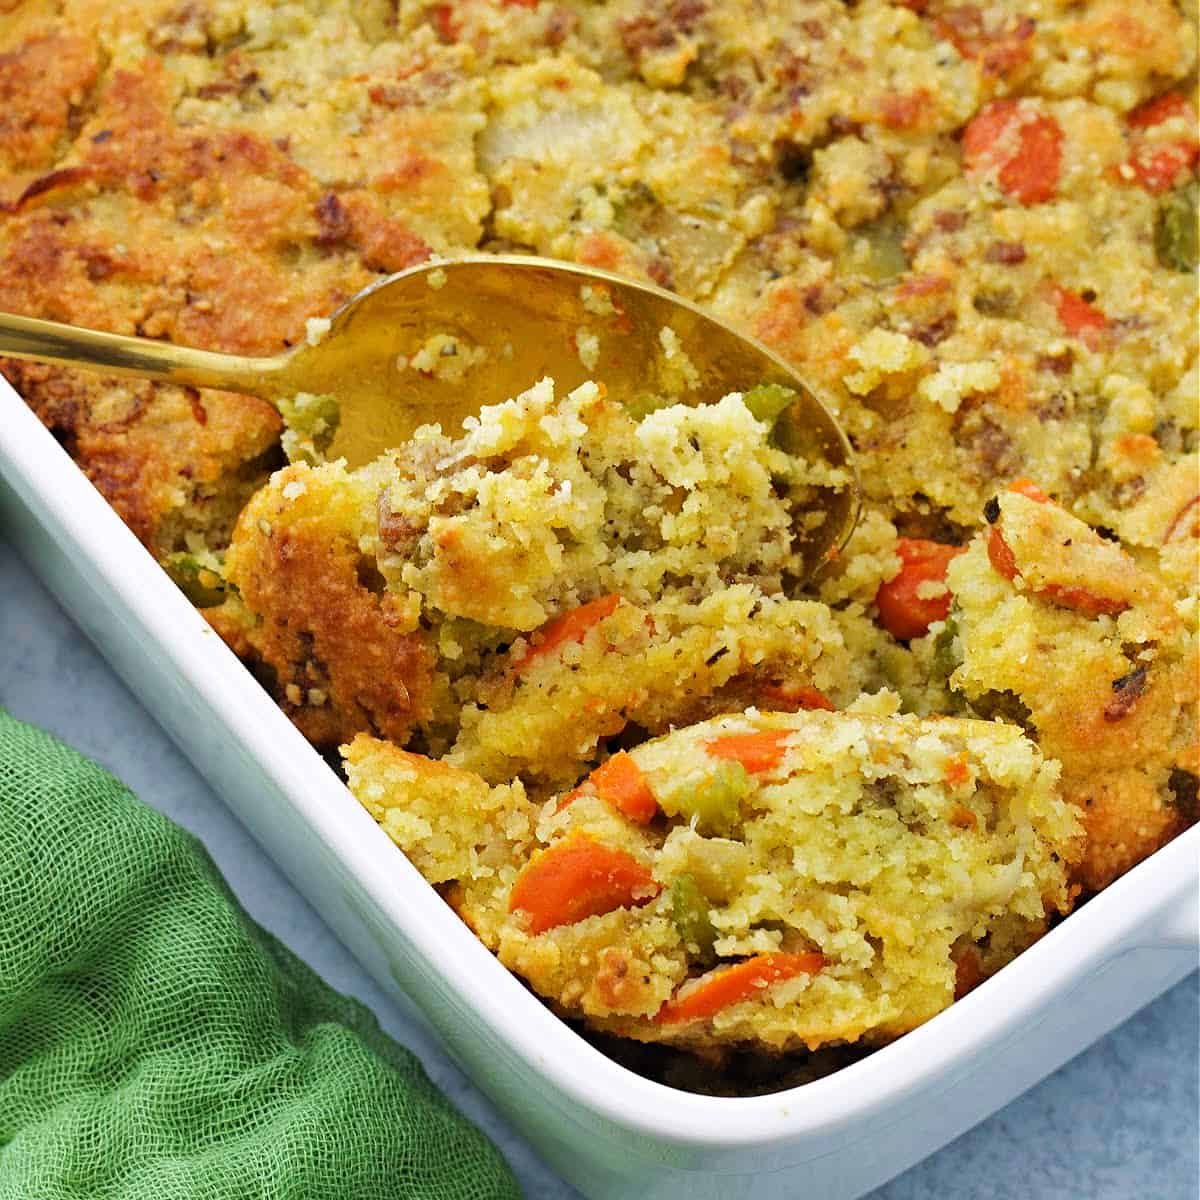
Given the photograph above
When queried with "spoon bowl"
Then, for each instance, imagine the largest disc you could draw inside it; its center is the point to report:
(439, 341)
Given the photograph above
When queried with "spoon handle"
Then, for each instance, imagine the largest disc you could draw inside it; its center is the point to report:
(143, 358)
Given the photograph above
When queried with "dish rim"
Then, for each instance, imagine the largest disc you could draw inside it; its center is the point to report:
(486, 991)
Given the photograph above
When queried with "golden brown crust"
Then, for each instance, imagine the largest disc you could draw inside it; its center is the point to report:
(41, 81)
(140, 443)
(1111, 695)
(343, 655)
(220, 215)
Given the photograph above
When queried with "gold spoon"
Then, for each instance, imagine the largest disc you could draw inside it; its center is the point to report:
(481, 329)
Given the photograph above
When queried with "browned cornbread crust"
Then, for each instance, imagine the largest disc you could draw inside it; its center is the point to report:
(119, 214)
(836, 178)
(797, 165)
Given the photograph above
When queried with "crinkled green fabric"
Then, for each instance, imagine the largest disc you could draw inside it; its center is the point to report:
(155, 1043)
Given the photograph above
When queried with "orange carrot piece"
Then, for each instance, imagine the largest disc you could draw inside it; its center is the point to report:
(1078, 599)
(1029, 171)
(999, 51)
(1079, 317)
(1030, 490)
(1082, 601)
(577, 878)
(757, 752)
(620, 782)
(703, 998)
(569, 627)
(957, 772)
(1000, 554)
(902, 611)
(1157, 170)
(904, 110)
(1161, 108)
(793, 696)
(444, 22)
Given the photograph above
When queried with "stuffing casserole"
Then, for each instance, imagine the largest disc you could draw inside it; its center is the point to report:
(973, 225)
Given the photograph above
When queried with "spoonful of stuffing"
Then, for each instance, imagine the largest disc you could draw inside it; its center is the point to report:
(436, 343)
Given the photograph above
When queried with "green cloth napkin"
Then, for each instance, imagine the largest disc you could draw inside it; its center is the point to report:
(155, 1043)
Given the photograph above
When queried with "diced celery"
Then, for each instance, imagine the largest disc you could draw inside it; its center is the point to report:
(713, 801)
(643, 405)
(311, 422)
(1175, 234)
(945, 661)
(768, 400)
(689, 910)
(201, 584)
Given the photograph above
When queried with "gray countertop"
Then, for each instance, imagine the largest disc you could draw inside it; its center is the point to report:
(1118, 1121)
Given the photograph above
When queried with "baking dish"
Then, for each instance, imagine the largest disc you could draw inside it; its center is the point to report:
(608, 1131)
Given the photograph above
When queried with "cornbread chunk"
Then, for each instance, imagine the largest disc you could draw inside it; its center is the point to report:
(544, 500)
(560, 572)
(1060, 629)
(541, 711)
(779, 880)
(309, 610)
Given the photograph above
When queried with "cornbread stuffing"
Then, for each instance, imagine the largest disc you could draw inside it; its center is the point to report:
(750, 879)
(690, 796)
(561, 572)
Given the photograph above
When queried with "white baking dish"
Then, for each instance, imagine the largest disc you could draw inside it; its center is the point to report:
(608, 1131)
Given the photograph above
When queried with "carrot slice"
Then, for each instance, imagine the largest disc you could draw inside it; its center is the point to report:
(569, 627)
(703, 998)
(444, 22)
(577, 878)
(904, 110)
(795, 695)
(1079, 317)
(903, 612)
(1030, 490)
(1161, 108)
(1078, 599)
(1000, 555)
(757, 752)
(620, 782)
(1082, 601)
(999, 51)
(1024, 147)
(957, 772)
(1157, 170)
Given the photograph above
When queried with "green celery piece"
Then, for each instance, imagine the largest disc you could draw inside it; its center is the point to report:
(945, 663)
(689, 911)
(768, 400)
(1175, 235)
(203, 586)
(714, 802)
(311, 421)
(642, 406)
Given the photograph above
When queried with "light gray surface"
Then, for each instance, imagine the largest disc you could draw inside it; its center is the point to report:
(1119, 1121)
